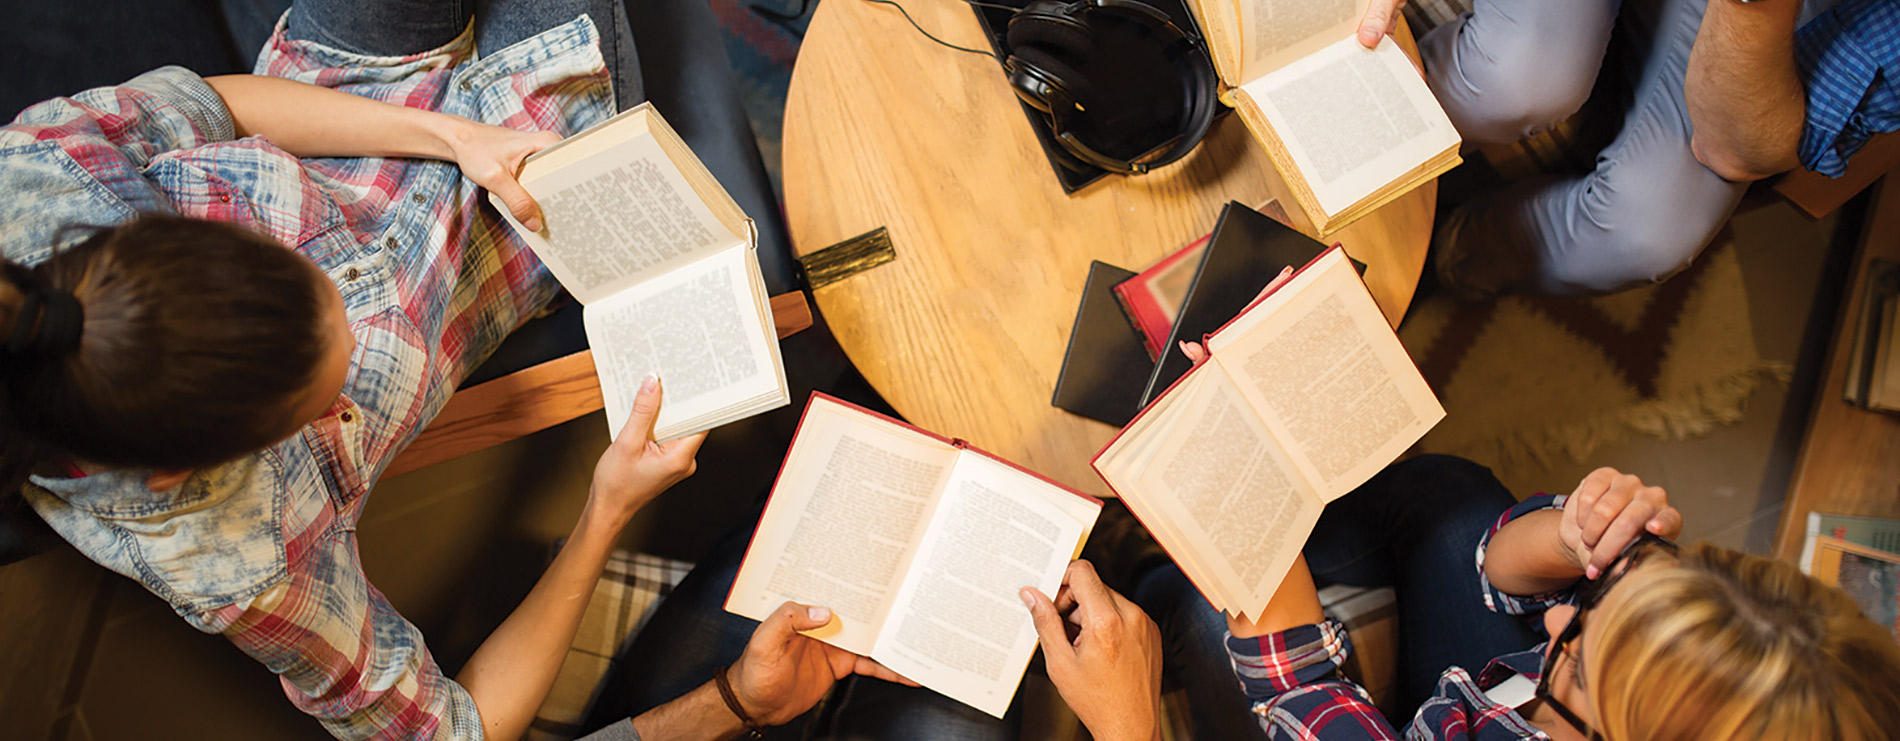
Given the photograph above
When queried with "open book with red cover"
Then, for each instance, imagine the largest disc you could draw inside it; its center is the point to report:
(1305, 395)
(918, 544)
(1152, 299)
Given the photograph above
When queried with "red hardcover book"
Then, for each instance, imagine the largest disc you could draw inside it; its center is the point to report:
(917, 543)
(1305, 395)
(1152, 298)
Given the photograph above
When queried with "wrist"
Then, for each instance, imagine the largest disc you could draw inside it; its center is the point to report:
(747, 718)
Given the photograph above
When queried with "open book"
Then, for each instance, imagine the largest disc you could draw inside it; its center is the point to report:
(1349, 128)
(1305, 395)
(918, 544)
(666, 266)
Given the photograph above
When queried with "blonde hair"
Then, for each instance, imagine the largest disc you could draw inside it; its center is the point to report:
(1731, 646)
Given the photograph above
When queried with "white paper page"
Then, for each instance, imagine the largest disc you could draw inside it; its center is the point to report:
(957, 626)
(851, 503)
(1353, 119)
(1224, 485)
(1276, 32)
(1322, 368)
(698, 327)
(616, 217)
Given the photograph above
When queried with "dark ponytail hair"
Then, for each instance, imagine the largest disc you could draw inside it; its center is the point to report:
(197, 338)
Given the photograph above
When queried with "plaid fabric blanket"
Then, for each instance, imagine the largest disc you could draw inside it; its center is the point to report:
(630, 588)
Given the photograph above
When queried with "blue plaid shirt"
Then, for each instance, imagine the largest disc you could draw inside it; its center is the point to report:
(1849, 60)
(1293, 682)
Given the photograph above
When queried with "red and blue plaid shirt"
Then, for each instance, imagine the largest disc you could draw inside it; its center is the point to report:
(263, 549)
(1292, 677)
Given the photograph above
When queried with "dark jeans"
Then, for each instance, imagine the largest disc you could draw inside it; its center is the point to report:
(691, 635)
(1414, 527)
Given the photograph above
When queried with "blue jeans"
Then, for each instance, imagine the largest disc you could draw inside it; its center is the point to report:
(691, 635)
(1414, 527)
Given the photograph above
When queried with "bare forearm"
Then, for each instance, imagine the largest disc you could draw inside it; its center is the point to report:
(700, 715)
(510, 674)
(1527, 557)
(310, 121)
(1294, 604)
(1745, 100)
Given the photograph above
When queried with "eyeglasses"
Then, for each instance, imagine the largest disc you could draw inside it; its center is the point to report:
(1588, 595)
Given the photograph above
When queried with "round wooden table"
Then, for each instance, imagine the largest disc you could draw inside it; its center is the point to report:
(964, 332)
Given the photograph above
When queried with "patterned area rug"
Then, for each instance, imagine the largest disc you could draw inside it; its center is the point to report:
(1527, 379)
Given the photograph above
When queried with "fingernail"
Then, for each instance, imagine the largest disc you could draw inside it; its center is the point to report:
(533, 223)
(1028, 601)
(1590, 572)
(651, 382)
(818, 614)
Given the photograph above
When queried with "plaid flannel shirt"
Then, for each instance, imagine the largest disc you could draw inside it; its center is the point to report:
(263, 549)
(1292, 677)
(1849, 60)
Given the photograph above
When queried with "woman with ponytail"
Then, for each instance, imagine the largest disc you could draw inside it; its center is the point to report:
(226, 304)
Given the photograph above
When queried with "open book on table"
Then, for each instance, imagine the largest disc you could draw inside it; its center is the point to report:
(666, 266)
(1349, 128)
(918, 544)
(1305, 395)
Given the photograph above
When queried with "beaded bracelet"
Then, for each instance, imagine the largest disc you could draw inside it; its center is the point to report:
(732, 703)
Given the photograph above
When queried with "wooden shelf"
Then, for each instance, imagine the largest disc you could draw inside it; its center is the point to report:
(1850, 458)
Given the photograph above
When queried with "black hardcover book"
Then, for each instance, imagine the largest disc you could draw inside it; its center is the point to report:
(1245, 253)
(1105, 365)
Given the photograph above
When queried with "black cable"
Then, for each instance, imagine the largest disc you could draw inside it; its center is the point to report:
(927, 34)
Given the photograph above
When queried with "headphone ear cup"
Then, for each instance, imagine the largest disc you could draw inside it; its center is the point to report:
(1058, 33)
(1034, 63)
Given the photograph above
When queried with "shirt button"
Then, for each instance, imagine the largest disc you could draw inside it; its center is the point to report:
(347, 417)
(419, 198)
(352, 273)
(226, 197)
(390, 242)
(466, 85)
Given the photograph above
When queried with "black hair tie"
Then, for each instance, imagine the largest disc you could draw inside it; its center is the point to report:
(49, 323)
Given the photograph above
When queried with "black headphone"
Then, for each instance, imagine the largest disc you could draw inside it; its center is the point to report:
(1048, 38)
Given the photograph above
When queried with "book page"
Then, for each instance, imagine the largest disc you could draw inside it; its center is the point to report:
(615, 208)
(699, 328)
(1352, 119)
(957, 626)
(840, 530)
(1318, 362)
(1274, 33)
(1227, 490)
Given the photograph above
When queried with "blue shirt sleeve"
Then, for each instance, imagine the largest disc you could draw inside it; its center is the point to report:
(1848, 58)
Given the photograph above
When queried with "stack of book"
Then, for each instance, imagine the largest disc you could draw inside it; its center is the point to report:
(1873, 366)
(1305, 393)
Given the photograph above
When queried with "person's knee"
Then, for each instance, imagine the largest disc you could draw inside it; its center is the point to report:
(1454, 486)
(1501, 103)
(1638, 251)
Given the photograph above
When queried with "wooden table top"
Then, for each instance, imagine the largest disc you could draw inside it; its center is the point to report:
(964, 332)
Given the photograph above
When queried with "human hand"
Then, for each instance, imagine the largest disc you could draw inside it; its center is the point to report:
(635, 468)
(1195, 352)
(783, 674)
(1607, 512)
(491, 156)
(1382, 18)
(1109, 670)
